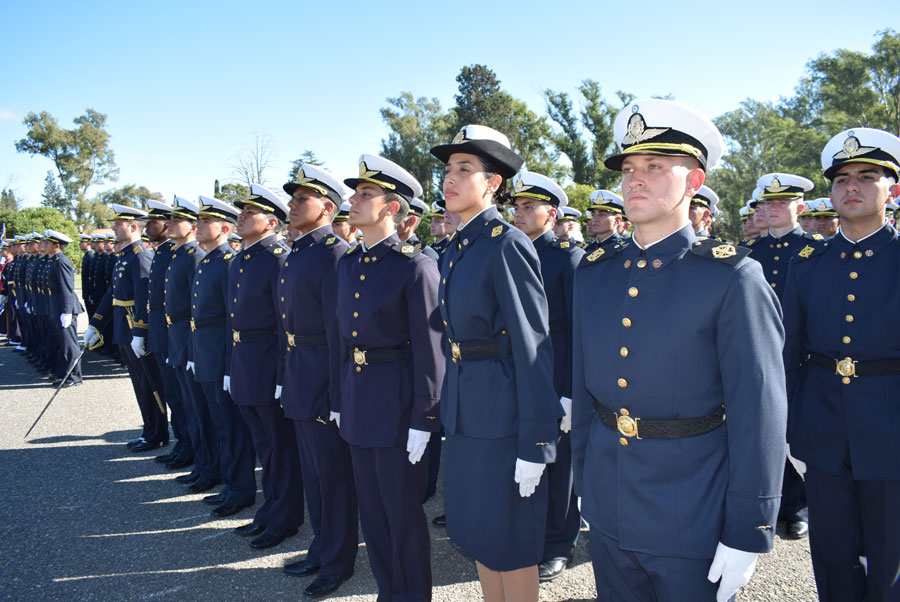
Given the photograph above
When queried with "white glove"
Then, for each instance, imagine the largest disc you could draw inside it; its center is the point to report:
(65, 320)
(528, 475)
(734, 567)
(91, 336)
(2, 298)
(565, 424)
(336, 418)
(226, 384)
(190, 367)
(27, 308)
(137, 345)
(277, 391)
(799, 465)
(416, 444)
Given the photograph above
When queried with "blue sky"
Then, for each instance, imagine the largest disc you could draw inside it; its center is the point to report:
(186, 85)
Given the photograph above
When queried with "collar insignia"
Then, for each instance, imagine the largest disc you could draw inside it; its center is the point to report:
(497, 231)
(806, 252)
(595, 255)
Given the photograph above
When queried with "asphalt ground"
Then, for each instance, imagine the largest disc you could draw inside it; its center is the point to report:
(82, 518)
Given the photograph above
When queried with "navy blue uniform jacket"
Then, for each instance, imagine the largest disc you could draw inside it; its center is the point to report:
(130, 275)
(209, 308)
(149, 304)
(179, 281)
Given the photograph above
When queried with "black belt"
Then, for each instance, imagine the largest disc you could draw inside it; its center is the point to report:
(642, 428)
(306, 340)
(204, 322)
(245, 336)
(850, 367)
(179, 317)
(476, 350)
(361, 357)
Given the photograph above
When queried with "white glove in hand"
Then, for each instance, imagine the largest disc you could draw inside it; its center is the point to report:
(336, 418)
(416, 444)
(28, 308)
(137, 345)
(277, 391)
(190, 367)
(799, 465)
(65, 320)
(226, 384)
(91, 336)
(733, 567)
(528, 475)
(565, 424)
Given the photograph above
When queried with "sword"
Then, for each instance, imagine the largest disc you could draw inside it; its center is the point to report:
(58, 389)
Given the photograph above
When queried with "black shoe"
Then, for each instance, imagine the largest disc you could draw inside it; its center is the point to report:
(215, 499)
(188, 478)
(551, 569)
(75, 383)
(204, 485)
(796, 529)
(148, 446)
(134, 442)
(250, 529)
(163, 459)
(439, 521)
(272, 537)
(179, 463)
(322, 586)
(229, 509)
(301, 568)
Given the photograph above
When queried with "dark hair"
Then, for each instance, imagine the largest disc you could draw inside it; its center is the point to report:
(503, 197)
(390, 197)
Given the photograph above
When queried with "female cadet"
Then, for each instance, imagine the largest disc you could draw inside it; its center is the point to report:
(498, 405)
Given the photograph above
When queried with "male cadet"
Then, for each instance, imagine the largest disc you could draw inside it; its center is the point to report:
(342, 227)
(8, 286)
(391, 372)
(748, 226)
(307, 293)
(568, 224)
(406, 228)
(537, 200)
(116, 308)
(437, 227)
(64, 307)
(181, 229)
(229, 437)
(703, 209)
(100, 284)
(806, 217)
(254, 372)
(677, 496)
(236, 242)
(759, 216)
(843, 371)
(151, 333)
(607, 214)
(84, 244)
(826, 218)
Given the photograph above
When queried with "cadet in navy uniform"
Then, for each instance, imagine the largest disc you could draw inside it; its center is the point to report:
(781, 199)
(703, 209)
(842, 355)
(677, 496)
(150, 333)
(230, 438)
(307, 293)
(179, 301)
(498, 405)
(84, 244)
(607, 213)
(341, 226)
(406, 229)
(568, 225)
(64, 307)
(538, 200)
(254, 371)
(116, 309)
(391, 370)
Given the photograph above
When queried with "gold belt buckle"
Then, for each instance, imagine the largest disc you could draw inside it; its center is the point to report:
(454, 351)
(290, 339)
(627, 425)
(845, 367)
(193, 326)
(236, 335)
(168, 320)
(359, 357)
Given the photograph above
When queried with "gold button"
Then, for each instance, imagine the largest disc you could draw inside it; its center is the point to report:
(442, 302)
(367, 260)
(282, 281)
(633, 292)
(626, 322)
(235, 299)
(239, 285)
(848, 317)
(445, 323)
(196, 282)
(167, 279)
(853, 275)
(356, 295)
(857, 254)
(241, 270)
(195, 294)
(623, 351)
(362, 276)
(776, 258)
(773, 285)
(444, 281)
(283, 316)
(846, 380)
(778, 245)
(451, 264)
(286, 264)
(358, 369)
(846, 340)
(622, 382)
(774, 272)
(851, 297)
(642, 263)
(354, 333)
(355, 314)
(200, 271)
(623, 441)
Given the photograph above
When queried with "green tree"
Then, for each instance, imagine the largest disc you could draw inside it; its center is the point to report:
(81, 155)
(53, 195)
(8, 200)
(306, 156)
(233, 192)
(130, 195)
(38, 219)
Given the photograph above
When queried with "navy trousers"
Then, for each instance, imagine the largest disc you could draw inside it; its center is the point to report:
(237, 460)
(793, 496)
(563, 517)
(171, 392)
(390, 492)
(282, 479)
(144, 380)
(67, 350)
(200, 426)
(330, 496)
(849, 519)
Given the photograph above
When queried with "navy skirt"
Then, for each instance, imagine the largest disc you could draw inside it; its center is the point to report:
(486, 516)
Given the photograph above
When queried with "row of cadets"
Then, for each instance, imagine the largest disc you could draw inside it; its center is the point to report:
(87, 257)
(538, 200)
(406, 229)
(101, 278)
(391, 372)
(704, 209)
(8, 324)
(115, 311)
(843, 371)
(310, 387)
(254, 368)
(342, 227)
(607, 214)
(677, 497)
(226, 436)
(748, 226)
(63, 307)
(819, 217)
(16, 289)
(568, 225)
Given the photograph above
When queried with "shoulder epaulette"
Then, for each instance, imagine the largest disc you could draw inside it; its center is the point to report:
(600, 254)
(191, 251)
(418, 244)
(352, 249)
(227, 256)
(719, 251)
(566, 245)
(330, 241)
(812, 250)
(495, 228)
(406, 248)
(752, 241)
(138, 248)
(276, 248)
(813, 236)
